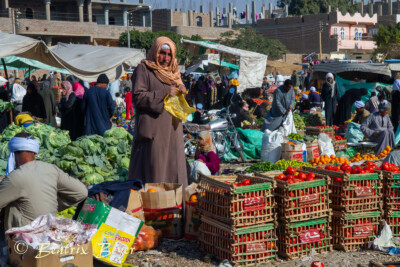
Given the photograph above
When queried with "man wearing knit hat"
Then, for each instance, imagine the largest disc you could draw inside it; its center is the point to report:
(98, 107)
(362, 113)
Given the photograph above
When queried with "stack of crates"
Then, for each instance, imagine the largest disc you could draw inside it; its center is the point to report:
(238, 222)
(391, 200)
(356, 203)
(303, 215)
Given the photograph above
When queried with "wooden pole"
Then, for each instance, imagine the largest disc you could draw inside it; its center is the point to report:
(8, 87)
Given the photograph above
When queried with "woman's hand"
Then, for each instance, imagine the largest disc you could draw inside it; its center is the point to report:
(182, 89)
(173, 90)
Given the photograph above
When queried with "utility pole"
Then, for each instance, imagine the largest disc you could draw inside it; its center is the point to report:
(320, 40)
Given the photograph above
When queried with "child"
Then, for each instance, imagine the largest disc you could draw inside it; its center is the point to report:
(128, 101)
(206, 152)
(120, 105)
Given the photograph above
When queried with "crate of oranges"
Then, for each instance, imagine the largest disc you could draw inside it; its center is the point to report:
(237, 200)
(326, 159)
(358, 157)
(243, 246)
(385, 152)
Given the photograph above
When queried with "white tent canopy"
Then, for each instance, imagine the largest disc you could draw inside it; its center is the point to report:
(86, 62)
(335, 68)
(251, 67)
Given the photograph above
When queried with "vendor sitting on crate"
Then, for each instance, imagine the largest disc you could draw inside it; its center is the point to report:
(362, 114)
(304, 103)
(206, 152)
(33, 188)
(378, 128)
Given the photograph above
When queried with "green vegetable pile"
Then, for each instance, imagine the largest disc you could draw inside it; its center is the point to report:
(298, 122)
(6, 105)
(310, 138)
(67, 213)
(259, 121)
(312, 119)
(296, 136)
(92, 159)
(279, 165)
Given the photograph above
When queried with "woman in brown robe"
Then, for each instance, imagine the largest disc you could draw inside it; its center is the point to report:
(158, 151)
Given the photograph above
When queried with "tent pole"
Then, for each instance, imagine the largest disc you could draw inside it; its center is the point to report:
(8, 86)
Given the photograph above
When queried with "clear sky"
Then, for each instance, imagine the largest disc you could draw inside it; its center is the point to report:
(207, 4)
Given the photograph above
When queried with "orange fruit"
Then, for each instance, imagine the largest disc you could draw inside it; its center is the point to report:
(151, 190)
(193, 198)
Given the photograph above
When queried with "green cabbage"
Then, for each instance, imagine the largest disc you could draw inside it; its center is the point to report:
(93, 178)
(118, 133)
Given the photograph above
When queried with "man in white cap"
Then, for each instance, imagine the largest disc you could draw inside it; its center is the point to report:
(361, 113)
(378, 128)
(304, 103)
(314, 97)
(279, 78)
(32, 188)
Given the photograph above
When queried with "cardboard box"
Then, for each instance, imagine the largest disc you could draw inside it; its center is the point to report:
(116, 231)
(80, 256)
(135, 205)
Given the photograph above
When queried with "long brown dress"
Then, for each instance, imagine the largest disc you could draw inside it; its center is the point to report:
(157, 152)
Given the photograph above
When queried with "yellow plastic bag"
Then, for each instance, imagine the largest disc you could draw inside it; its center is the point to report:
(178, 107)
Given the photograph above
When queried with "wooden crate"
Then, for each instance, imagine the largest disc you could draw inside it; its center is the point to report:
(244, 246)
(352, 231)
(316, 131)
(300, 201)
(353, 193)
(237, 205)
(393, 220)
(296, 240)
(339, 145)
(391, 191)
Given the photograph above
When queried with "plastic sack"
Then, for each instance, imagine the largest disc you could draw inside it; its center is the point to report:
(271, 149)
(148, 238)
(397, 136)
(353, 133)
(197, 167)
(384, 241)
(178, 107)
(325, 145)
(288, 125)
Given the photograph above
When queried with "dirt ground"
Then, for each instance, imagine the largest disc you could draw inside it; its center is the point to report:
(285, 68)
(172, 253)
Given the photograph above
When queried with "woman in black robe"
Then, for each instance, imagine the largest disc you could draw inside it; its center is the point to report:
(33, 102)
(199, 91)
(67, 109)
(346, 102)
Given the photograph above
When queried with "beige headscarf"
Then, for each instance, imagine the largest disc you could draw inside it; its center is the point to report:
(169, 75)
(208, 142)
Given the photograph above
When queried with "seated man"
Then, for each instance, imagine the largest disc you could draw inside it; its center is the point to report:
(24, 119)
(34, 188)
(314, 98)
(303, 104)
(378, 128)
(362, 114)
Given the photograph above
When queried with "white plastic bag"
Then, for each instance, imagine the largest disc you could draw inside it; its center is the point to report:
(325, 145)
(384, 240)
(271, 149)
(197, 167)
(288, 126)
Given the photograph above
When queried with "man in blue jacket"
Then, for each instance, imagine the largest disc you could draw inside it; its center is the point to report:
(98, 107)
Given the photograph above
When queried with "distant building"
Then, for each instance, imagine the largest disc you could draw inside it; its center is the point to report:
(77, 21)
(343, 36)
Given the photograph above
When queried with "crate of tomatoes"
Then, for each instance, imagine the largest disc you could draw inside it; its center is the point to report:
(393, 219)
(353, 189)
(352, 231)
(300, 195)
(391, 188)
(296, 240)
(237, 200)
(244, 246)
(339, 143)
(321, 129)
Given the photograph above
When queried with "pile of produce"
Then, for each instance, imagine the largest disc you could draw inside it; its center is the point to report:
(298, 122)
(359, 157)
(292, 176)
(296, 136)
(385, 152)
(326, 159)
(339, 138)
(312, 119)
(278, 166)
(369, 167)
(92, 159)
(6, 105)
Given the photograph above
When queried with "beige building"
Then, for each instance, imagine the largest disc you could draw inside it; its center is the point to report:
(77, 21)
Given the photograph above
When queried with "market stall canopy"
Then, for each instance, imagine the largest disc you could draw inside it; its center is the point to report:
(19, 63)
(251, 67)
(86, 62)
(365, 69)
(204, 63)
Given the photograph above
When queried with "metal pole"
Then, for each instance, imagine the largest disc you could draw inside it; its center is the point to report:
(129, 39)
(320, 40)
(8, 86)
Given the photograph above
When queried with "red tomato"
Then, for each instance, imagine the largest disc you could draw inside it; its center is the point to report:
(290, 171)
(246, 182)
(281, 177)
(290, 177)
(290, 181)
(329, 168)
(361, 171)
(302, 176)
